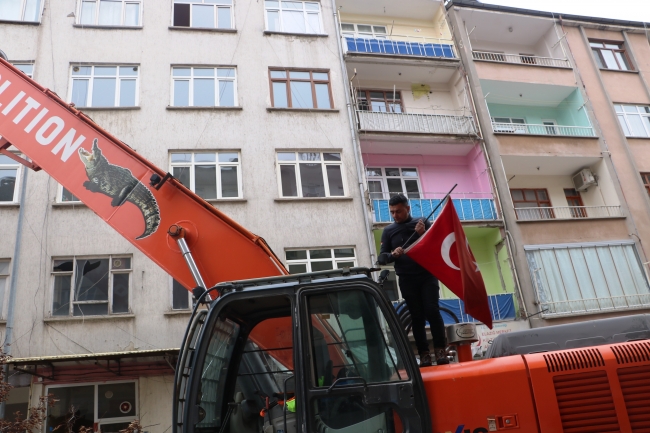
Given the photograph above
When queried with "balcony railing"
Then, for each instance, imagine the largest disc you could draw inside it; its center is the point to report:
(535, 129)
(594, 305)
(419, 123)
(568, 212)
(468, 209)
(402, 46)
(521, 59)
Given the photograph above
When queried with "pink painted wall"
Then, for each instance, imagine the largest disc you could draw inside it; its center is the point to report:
(439, 173)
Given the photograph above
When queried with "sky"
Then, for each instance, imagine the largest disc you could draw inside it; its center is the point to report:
(631, 10)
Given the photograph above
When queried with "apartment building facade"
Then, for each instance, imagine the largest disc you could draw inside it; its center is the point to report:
(243, 103)
(563, 102)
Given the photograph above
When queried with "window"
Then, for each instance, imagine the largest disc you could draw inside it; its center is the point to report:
(645, 177)
(293, 16)
(610, 55)
(4, 283)
(380, 100)
(211, 175)
(586, 278)
(180, 296)
(509, 125)
(300, 89)
(634, 119)
(550, 127)
(91, 286)
(65, 196)
(111, 405)
(104, 86)
(529, 203)
(366, 31)
(310, 174)
(574, 200)
(384, 183)
(203, 87)
(301, 261)
(9, 170)
(110, 12)
(26, 68)
(210, 14)
(20, 10)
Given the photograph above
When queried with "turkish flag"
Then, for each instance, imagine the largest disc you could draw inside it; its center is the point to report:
(444, 251)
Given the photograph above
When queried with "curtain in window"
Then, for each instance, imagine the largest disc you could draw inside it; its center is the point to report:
(587, 278)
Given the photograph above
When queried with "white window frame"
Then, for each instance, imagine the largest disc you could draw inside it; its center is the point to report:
(373, 34)
(23, 6)
(333, 259)
(102, 421)
(384, 180)
(13, 165)
(59, 196)
(122, 15)
(296, 162)
(223, 5)
(305, 13)
(21, 66)
(171, 297)
(192, 164)
(72, 273)
(5, 278)
(91, 79)
(625, 123)
(511, 129)
(550, 126)
(193, 77)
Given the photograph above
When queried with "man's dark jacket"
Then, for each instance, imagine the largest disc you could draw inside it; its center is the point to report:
(395, 235)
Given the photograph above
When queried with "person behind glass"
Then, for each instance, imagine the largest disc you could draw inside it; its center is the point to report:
(419, 288)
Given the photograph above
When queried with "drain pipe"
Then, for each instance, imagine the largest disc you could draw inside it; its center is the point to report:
(9, 330)
(355, 141)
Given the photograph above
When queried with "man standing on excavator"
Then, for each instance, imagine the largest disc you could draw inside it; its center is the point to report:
(419, 288)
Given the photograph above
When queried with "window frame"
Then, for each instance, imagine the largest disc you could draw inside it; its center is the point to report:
(118, 84)
(305, 13)
(510, 129)
(538, 202)
(217, 164)
(308, 261)
(18, 167)
(192, 77)
(171, 296)
(389, 102)
(296, 163)
(365, 35)
(645, 178)
(7, 281)
(287, 80)
(386, 194)
(96, 419)
(216, 7)
(23, 6)
(627, 125)
(72, 274)
(59, 196)
(79, 11)
(601, 59)
(20, 64)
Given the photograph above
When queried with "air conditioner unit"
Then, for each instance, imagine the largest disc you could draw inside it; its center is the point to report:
(583, 179)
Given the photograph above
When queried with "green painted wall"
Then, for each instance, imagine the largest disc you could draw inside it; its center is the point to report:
(567, 113)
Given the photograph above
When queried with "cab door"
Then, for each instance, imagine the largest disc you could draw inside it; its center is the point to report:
(359, 373)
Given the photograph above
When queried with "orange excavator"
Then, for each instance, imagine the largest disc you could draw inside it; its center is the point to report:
(321, 352)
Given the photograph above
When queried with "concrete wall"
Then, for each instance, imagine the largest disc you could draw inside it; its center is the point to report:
(525, 73)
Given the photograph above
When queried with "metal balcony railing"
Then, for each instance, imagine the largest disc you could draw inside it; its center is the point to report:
(535, 129)
(401, 46)
(567, 212)
(469, 209)
(594, 305)
(410, 122)
(521, 59)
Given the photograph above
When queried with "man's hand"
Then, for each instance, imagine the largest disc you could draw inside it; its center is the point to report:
(419, 227)
(397, 252)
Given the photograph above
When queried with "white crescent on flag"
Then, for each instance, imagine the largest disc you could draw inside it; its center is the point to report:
(446, 248)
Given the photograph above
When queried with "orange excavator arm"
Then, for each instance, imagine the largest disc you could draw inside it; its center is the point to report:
(139, 200)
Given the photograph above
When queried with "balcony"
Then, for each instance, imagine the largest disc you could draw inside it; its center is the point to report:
(567, 212)
(542, 129)
(415, 123)
(396, 45)
(520, 59)
(480, 208)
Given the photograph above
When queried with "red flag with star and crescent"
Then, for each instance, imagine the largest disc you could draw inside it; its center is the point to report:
(444, 251)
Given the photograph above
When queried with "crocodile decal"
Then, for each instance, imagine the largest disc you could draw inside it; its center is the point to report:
(119, 184)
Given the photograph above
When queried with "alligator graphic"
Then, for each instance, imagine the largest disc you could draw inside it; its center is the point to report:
(119, 184)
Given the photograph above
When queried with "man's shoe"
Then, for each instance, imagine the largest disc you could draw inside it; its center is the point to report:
(441, 356)
(425, 359)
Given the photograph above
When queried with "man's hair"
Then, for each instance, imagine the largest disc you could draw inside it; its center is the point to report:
(398, 199)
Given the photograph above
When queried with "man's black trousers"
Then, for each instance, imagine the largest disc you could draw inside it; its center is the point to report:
(421, 294)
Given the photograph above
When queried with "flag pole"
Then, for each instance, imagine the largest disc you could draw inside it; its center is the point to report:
(434, 210)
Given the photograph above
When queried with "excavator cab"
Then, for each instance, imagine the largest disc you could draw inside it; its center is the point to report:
(329, 340)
